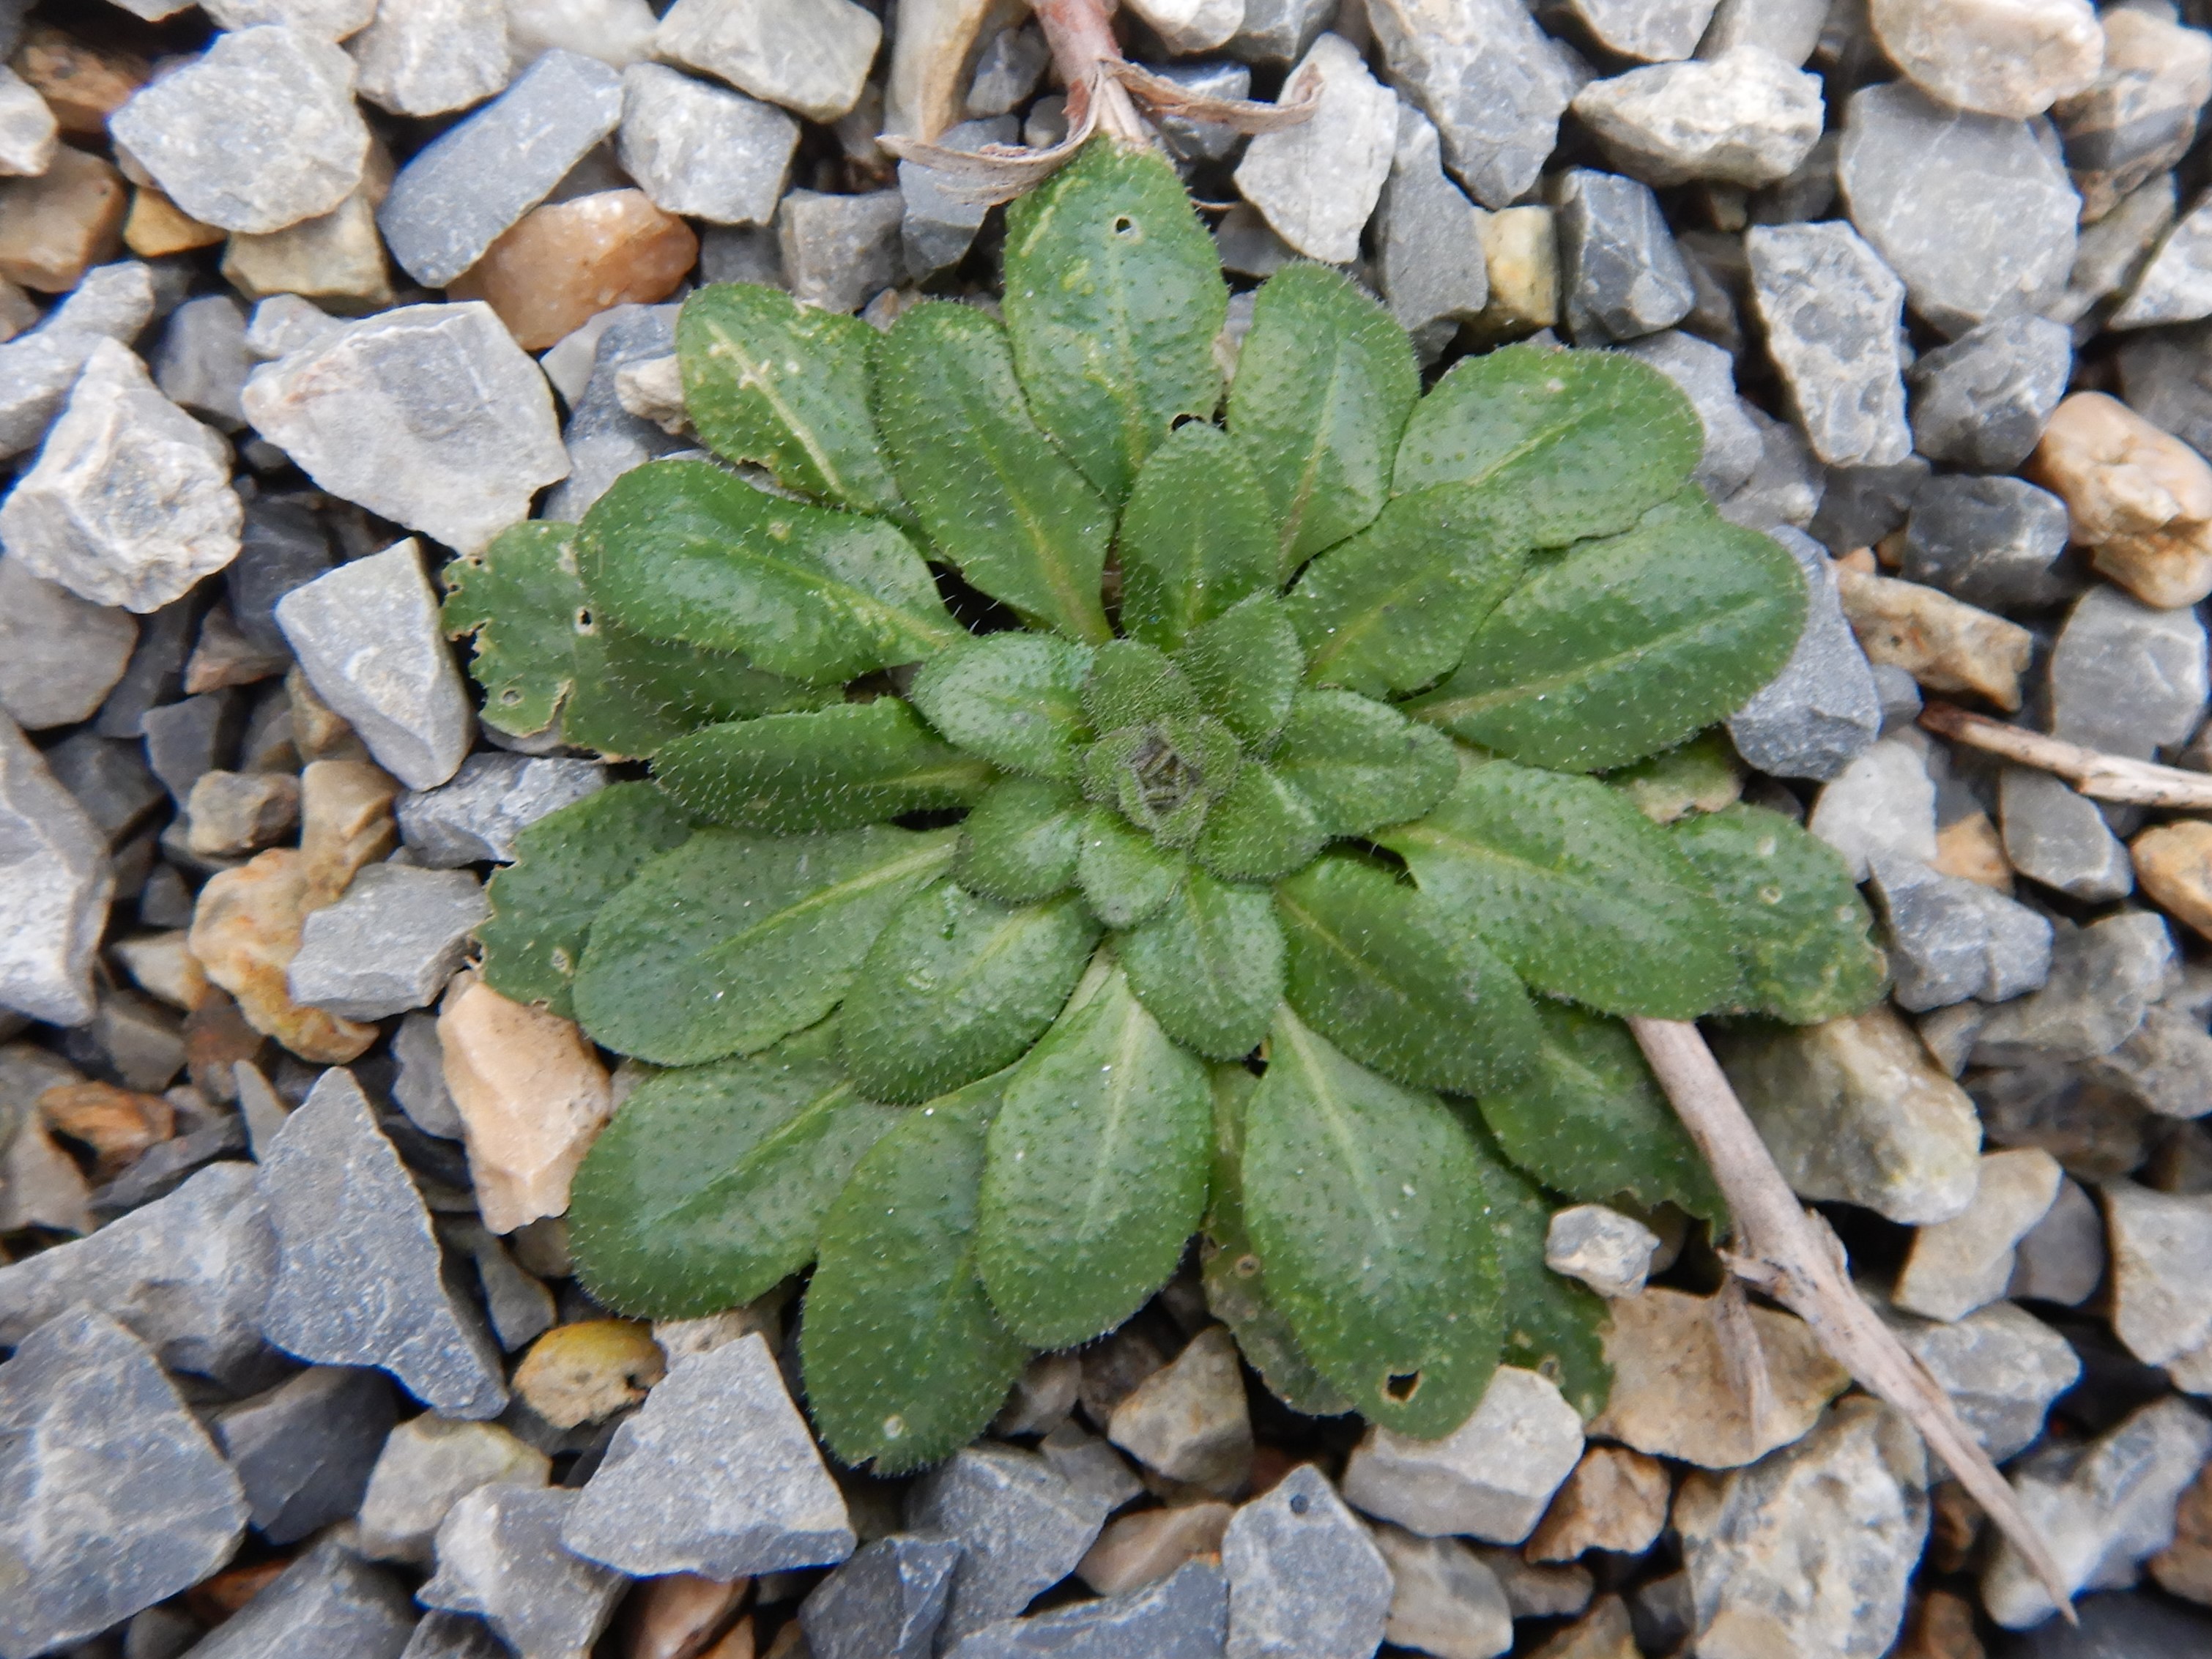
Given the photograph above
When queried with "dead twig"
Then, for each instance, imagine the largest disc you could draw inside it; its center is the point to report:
(2099, 776)
(1790, 1255)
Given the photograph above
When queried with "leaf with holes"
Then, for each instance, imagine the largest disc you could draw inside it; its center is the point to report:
(519, 600)
(1554, 1326)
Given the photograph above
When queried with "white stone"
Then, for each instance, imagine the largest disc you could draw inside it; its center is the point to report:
(28, 131)
(1317, 183)
(701, 149)
(810, 55)
(1657, 30)
(1489, 1478)
(616, 31)
(1746, 118)
(1493, 82)
(1964, 1263)
(1788, 28)
(1191, 26)
(2009, 57)
(326, 19)
(2161, 1256)
(55, 883)
(428, 57)
(1609, 1251)
(1883, 802)
(37, 370)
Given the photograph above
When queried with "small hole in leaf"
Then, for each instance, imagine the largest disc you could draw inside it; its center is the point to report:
(510, 697)
(1402, 1387)
(1182, 421)
(1123, 224)
(1247, 1265)
(1300, 1502)
(584, 619)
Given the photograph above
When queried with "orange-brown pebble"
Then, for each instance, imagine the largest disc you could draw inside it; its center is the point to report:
(2173, 866)
(55, 227)
(83, 85)
(678, 1616)
(564, 264)
(157, 225)
(117, 1124)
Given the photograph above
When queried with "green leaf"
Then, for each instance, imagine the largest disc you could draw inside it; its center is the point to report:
(1366, 1201)
(1018, 845)
(1626, 646)
(1583, 895)
(1163, 777)
(1261, 830)
(1245, 665)
(1802, 930)
(1209, 966)
(1126, 875)
(520, 597)
(1569, 443)
(733, 940)
(1113, 297)
(1589, 1120)
(1361, 763)
(1393, 609)
(1196, 539)
(769, 381)
(905, 1363)
(1554, 1326)
(1132, 683)
(1324, 384)
(997, 501)
(1096, 1173)
(682, 550)
(567, 865)
(956, 987)
(1702, 775)
(710, 1185)
(830, 769)
(1380, 970)
(633, 694)
(1015, 699)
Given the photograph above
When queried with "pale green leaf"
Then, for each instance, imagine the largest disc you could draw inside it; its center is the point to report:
(1261, 830)
(1126, 875)
(1245, 665)
(1019, 843)
(1015, 699)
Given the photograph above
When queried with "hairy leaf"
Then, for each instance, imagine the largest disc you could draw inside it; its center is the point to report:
(1262, 829)
(1209, 966)
(733, 940)
(1018, 845)
(1113, 297)
(1126, 875)
(998, 501)
(1015, 699)
(633, 694)
(1244, 664)
(1131, 683)
(1162, 777)
(520, 597)
(1366, 1202)
(1324, 384)
(1361, 763)
(1196, 539)
(1554, 1326)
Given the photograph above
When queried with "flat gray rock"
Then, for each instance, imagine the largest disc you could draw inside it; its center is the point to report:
(1184, 1615)
(2138, 118)
(2002, 1367)
(453, 1635)
(1860, 505)
(429, 1463)
(812, 59)
(2104, 979)
(2061, 1259)
(840, 252)
(1791, 29)
(1832, 310)
(390, 945)
(110, 1497)
(1008, 70)
(1995, 543)
(1822, 711)
(1657, 30)
(53, 905)
(1305, 1581)
(2165, 1064)
(1745, 118)
(886, 1602)
(302, 1450)
(1982, 402)
(1787, 486)
(1317, 183)
(1493, 82)
(1951, 938)
(202, 361)
(500, 1556)
(2058, 837)
(360, 1276)
(2126, 678)
(328, 1604)
(112, 302)
(1279, 31)
(1199, 141)
(434, 55)
(493, 798)
(936, 227)
(2165, 377)
(1429, 253)
(701, 149)
(284, 545)
(2176, 286)
(60, 655)
(1620, 274)
(1023, 1526)
(1706, 375)
(604, 440)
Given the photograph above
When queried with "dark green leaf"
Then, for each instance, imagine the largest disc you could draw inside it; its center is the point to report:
(1131, 684)
(1324, 384)
(1209, 966)
(769, 381)
(1096, 1175)
(1245, 665)
(1702, 775)
(1126, 875)
(1261, 830)
(1015, 699)
(998, 501)
(1361, 763)
(1113, 297)
(1568, 444)
(956, 987)
(633, 694)
(1623, 647)
(1162, 777)
(1399, 984)
(710, 1185)
(1554, 1326)
(1366, 1202)
(521, 599)
(1018, 845)
(830, 769)
(734, 940)
(567, 865)
(1799, 927)
(1197, 536)
(1583, 895)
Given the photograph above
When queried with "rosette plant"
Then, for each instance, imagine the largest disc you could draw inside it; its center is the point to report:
(1109, 784)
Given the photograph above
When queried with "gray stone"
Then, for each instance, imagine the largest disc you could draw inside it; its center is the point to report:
(303, 1449)
(701, 149)
(1193, 141)
(937, 227)
(1657, 31)
(1007, 70)
(740, 253)
(2176, 285)
(283, 546)
(1182, 1616)
(2167, 379)
(1785, 488)
(1860, 505)
(431, 56)
(1489, 1478)
(1963, 1263)
(1305, 1581)
(2165, 1064)
(368, 638)
(520, 1308)
(328, 1604)
(1444, 1600)
(2001, 1366)
(186, 741)
(604, 440)
(2126, 678)
(1821, 712)
(453, 1635)
(114, 1498)
(2119, 1625)
(1023, 1526)
(60, 655)
(1831, 310)
(1279, 31)
(112, 302)
(1317, 183)
(1807, 191)
(1788, 28)
(813, 60)
(1973, 213)
(1745, 118)
(360, 1277)
(109, 779)
(1620, 274)
(1951, 938)
(839, 251)
(2137, 118)
(284, 323)
(462, 189)
(2058, 837)
(2104, 979)
(2160, 1243)
(491, 801)
(1089, 1463)
(1899, 693)
(1249, 245)
(1982, 401)
(420, 1089)
(390, 945)
(53, 905)
(1189, 1420)
(1609, 1251)
(1428, 254)
(1491, 81)
(259, 133)
(202, 361)
(28, 131)
(1706, 375)
(429, 1464)
(430, 414)
(2061, 1258)
(500, 1556)
(716, 1474)
(329, 19)
(1995, 543)
(884, 1603)
(162, 1169)
(2109, 254)
(1881, 805)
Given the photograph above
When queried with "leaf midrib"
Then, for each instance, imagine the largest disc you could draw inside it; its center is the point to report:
(842, 890)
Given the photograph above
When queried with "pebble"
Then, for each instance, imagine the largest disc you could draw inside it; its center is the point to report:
(461, 191)
(2185, 1566)
(1521, 250)
(1657, 30)
(1317, 183)
(60, 655)
(37, 368)
(302, 1450)
(1444, 1600)
(235, 813)
(886, 1602)
(2007, 58)
(1950, 938)
(491, 800)
(1809, 1550)
(1189, 27)
(2139, 497)
(813, 62)
(604, 440)
(2061, 1257)
(2104, 979)
(1607, 1632)
(160, 963)
(1822, 711)
(245, 932)
(358, 1279)
(528, 1093)
(1305, 1580)
(202, 361)
(2176, 285)
(562, 264)
(430, 414)
(1089, 1463)
(701, 149)
(185, 740)
(327, 1604)
(1620, 274)
(1609, 1251)
(337, 258)
(369, 637)
(1966, 1262)
(1183, 1616)
(1430, 256)
(328, 20)
(1023, 1525)
(936, 227)
(1279, 31)
(1706, 375)
(116, 1498)
(500, 1557)
(429, 57)
(2138, 116)
(589, 1370)
(2056, 836)
(1882, 804)
(82, 84)
(1189, 1420)
(1982, 402)
(616, 31)
(839, 251)
(1489, 1478)
(2160, 1244)
(1200, 141)
(155, 227)
(1945, 644)
(390, 945)
(1832, 309)
(1855, 1108)
(1010, 66)
(1744, 117)
(1993, 542)
(1973, 213)
(2002, 1367)
(1616, 1499)
(2174, 862)
(56, 226)
(453, 1635)
(259, 133)
(429, 1464)
(53, 906)
(1138, 1548)
(28, 131)
(2109, 254)
(2127, 679)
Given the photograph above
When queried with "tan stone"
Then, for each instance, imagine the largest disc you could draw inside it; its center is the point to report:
(345, 821)
(1972, 849)
(1944, 643)
(117, 1124)
(790, 1641)
(1133, 1550)
(40, 1185)
(1616, 1499)
(680, 1338)
(1941, 1627)
(223, 656)
(336, 259)
(2173, 866)
(2011, 58)
(1964, 1263)
(156, 225)
(1604, 1632)
(1189, 1420)
(676, 1617)
(1444, 1599)
(1671, 1392)
(933, 53)
(245, 931)
(18, 310)
(1521, 252)
(216, 1039)
(163, 964)
(532, 1097)
(2139, 496)
(581, 1373)
(83, 85)
(58, 225)
(232, 813)
(2185, 1566)
(565, 263)
(319, 732)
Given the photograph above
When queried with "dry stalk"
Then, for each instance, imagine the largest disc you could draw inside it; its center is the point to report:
(2099, 776)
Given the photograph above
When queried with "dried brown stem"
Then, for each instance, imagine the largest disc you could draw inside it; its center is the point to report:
(1791, 1255)
(2100, 776)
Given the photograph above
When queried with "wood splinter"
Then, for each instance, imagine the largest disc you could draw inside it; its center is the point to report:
(2099, 776)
